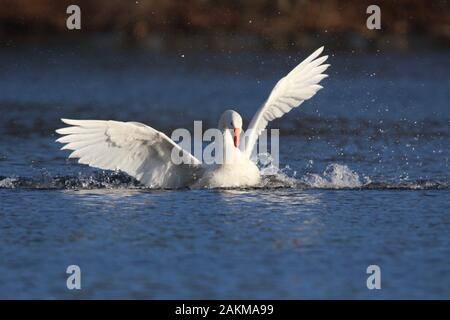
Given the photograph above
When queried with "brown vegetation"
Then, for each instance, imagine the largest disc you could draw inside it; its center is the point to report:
(276, 23)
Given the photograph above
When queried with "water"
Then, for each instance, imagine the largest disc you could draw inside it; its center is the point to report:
(364, 180)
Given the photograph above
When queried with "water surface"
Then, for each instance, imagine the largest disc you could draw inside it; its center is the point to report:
(364, 180)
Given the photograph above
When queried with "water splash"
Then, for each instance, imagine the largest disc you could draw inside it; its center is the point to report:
(100, 180)
(336, 176)
(8, 182)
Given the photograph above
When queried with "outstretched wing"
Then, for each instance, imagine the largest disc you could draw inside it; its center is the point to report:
(299, 85)
(132, 147)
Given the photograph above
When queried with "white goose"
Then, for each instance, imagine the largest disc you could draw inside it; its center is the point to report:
(145, 153)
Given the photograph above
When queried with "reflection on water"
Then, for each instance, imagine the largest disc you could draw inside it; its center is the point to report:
(271, 198)
(105, 193)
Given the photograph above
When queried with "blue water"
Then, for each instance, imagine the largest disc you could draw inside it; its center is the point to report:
(364, 180)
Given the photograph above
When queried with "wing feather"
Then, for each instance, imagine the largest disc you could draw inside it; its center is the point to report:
(132, 147)
(291, 91)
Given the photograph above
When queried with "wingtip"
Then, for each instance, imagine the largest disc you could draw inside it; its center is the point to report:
(65, 120)
(73, 155)
(314, 55)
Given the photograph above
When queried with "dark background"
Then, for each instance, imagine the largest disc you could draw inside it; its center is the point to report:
(230, 25)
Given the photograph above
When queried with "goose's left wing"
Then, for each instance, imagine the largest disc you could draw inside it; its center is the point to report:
(299, 85)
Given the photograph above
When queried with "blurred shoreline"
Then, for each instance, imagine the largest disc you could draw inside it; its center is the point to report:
(228, 25)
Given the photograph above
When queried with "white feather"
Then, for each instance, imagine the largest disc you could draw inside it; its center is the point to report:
(297, 86)
(131, 147)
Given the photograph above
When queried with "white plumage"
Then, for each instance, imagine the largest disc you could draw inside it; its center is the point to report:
(297, 86)
(145, 153)
(132, 147)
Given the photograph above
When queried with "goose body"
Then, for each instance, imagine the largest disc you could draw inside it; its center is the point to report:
(146, 154)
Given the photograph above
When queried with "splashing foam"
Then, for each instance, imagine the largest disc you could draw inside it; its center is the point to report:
(8, 183)
(336, 176)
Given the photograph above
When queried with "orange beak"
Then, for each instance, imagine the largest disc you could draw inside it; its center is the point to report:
(236, 137)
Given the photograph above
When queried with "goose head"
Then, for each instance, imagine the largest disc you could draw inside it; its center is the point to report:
(231, 122)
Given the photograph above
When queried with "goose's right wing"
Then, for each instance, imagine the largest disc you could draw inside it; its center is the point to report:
(132, 147)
